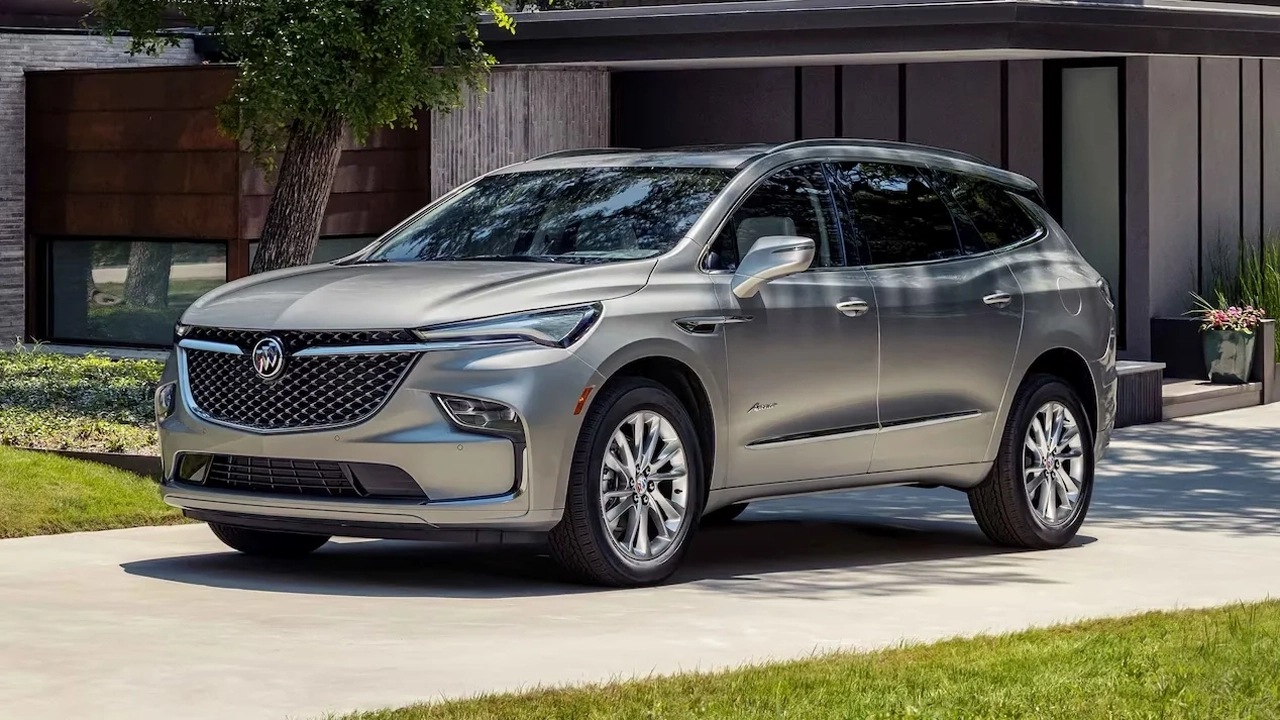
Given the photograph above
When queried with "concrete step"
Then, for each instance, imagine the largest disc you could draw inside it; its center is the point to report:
(1184, 397)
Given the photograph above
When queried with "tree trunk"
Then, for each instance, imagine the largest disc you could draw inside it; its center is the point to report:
(146, 284)
(306, 175)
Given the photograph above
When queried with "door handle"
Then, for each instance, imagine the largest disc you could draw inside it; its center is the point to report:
(998, 299)
(853, 307)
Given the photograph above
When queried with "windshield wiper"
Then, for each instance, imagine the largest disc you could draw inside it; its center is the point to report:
(367, 261)
(499, 258)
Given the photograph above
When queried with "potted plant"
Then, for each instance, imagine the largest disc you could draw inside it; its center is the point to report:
(1228, 333)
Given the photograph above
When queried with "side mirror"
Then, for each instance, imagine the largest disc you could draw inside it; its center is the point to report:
(771, 257)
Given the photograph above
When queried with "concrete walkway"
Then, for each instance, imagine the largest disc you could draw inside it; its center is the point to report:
(162, 623)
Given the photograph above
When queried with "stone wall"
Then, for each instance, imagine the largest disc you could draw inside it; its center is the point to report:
(19, 53)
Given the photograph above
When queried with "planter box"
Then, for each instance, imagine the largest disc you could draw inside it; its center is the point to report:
(1176, 342)
(145, 465)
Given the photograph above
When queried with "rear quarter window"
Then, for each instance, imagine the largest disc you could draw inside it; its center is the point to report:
(999, 219)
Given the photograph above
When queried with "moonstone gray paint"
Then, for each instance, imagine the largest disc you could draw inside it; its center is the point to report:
(1220, 166)
(801, 396)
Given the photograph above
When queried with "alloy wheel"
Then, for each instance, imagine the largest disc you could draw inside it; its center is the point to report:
(644, 484)
(1053, 464)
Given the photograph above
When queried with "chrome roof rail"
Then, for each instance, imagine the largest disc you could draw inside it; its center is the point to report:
(886, 144)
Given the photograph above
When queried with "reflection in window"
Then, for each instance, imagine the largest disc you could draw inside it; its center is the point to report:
(792, 202)
(1000, 219)
(126, 291)
(328, 248)
(897, 217)
(579, 215)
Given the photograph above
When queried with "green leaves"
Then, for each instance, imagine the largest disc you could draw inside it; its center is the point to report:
(374, 63)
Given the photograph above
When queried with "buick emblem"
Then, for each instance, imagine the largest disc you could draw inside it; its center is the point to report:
(268, 358)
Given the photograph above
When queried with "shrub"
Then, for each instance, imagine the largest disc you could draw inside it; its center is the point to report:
(88, 402)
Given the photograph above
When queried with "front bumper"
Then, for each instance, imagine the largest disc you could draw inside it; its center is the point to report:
(470, 480)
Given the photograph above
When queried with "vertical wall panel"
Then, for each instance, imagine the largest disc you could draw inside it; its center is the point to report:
(1026, 118)
(955, 105)
(1173, 183)
(1270, 146)
(526, 112)
(869, 101)
(1220, 164)
(1250, 153)
(817, 102)
(1137, 200)
(680, 107)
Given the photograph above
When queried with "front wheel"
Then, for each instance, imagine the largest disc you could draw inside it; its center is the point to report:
(265, 543)
(1040, 487)
(635, 488)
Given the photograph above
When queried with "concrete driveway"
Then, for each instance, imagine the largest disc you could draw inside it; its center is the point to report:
(162, 623)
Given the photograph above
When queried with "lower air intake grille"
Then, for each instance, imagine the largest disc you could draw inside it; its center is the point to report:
(280, 475)
(290, 476)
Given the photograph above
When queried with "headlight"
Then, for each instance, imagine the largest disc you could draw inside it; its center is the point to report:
(555, 328)
(164, 401)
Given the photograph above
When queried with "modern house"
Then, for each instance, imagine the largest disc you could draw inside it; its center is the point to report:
(1154, 127)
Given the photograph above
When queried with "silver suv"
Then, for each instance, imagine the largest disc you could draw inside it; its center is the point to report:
(605, 348)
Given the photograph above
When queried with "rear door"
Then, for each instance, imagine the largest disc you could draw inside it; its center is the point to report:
(950, 321)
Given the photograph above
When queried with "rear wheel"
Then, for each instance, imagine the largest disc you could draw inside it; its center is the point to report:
(635, 488)
(265, 543)
(1039, 489)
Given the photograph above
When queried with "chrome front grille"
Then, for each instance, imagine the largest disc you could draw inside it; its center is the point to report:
(314, 391)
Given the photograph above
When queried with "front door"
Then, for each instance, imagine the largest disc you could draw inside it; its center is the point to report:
(949, 322)
(803, 369)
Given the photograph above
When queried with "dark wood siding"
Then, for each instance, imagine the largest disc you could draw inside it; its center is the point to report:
(138, 154)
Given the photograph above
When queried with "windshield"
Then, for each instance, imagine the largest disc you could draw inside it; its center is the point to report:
(571, 215)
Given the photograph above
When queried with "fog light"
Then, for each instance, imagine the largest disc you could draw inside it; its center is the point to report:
(482, 415)
(164, 400)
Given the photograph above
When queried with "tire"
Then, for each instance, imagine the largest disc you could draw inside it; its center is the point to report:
(264, 543)
(724, 515)
(1003, 503)
(582, 542)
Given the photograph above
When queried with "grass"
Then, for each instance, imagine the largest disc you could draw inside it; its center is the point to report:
(41, 494)
(1215, 664)
(48, 400)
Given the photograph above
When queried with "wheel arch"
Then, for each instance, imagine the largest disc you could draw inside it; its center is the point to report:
(1070, 367)
(685, 383)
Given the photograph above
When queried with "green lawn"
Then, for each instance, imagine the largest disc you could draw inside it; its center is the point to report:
(42, 493)
(1217, 664)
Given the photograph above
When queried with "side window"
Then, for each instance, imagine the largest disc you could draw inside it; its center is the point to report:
(794, 201)
(897, 216)
(999, 218)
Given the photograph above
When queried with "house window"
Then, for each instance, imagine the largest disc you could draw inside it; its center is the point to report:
(330, 248)
(125, 292)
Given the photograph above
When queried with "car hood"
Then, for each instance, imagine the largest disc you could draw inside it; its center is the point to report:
(406, 295)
